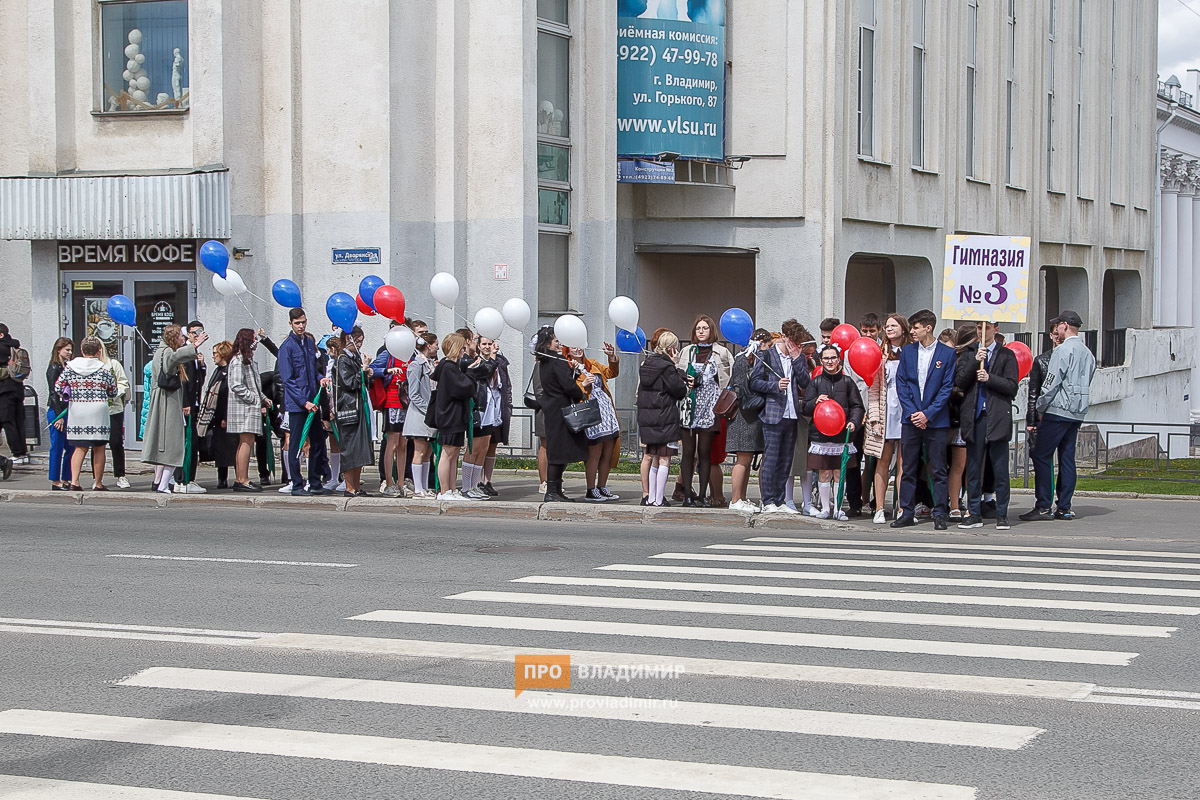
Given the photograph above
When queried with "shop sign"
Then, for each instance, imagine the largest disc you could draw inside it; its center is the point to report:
(174, 254)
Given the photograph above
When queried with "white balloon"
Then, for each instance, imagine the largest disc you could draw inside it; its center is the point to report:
(444, 288)
(571, 331)
(232, 284)
(400, 342)
(489, 323)
(516, 313)
(624, 313)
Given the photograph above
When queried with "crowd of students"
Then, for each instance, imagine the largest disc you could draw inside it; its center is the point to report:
(938, 411)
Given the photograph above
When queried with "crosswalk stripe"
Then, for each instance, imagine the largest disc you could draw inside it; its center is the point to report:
(19, 787)
(920, 566)
(953, 546)
(591, 706)
(914, 580)
(63, 623)
(458, 757)
(755, 670)
(790, 638)
(858, 551)
(103, 634)
(808, 612)
(852, 594)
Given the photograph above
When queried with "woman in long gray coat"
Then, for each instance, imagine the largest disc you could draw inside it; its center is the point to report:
(243, 416)
(163, 439)
(352, 416)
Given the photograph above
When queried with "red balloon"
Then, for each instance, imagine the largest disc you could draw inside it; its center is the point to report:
(1024, 358)
(363, 307)
(844, 335)
(865, 356)
(389, 302)
(829, 417)
(817, 370)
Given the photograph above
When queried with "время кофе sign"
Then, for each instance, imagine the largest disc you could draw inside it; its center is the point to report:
(170, 254)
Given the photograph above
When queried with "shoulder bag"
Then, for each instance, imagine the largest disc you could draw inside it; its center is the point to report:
(583, 415)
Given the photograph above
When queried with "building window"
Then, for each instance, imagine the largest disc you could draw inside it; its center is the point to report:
(1052, 46)
(144, 55)
(972, 21)
(866, 78)
(1010, 98)
(918, 107)
(554, 155)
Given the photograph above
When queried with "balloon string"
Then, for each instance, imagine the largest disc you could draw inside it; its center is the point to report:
(248, 311)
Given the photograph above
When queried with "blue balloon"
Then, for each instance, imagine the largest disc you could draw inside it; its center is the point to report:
(286, 293)
(631, 342)
(342, 311)
(367, 287)
(121, 309)
(737, 327)
(214, 256)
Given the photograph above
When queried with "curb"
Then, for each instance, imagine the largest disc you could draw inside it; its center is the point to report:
(493, 509)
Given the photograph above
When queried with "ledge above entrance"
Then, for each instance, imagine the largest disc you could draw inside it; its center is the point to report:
(193, 205)
(694, 249)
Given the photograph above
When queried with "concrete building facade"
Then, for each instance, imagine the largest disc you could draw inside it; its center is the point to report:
(480, 139)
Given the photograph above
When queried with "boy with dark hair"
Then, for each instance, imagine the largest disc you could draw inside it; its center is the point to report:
(781, 376)
(827, 326)
(297, 365)
(870, 325)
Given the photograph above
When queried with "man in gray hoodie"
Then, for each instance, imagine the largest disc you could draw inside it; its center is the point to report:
(1063, 404)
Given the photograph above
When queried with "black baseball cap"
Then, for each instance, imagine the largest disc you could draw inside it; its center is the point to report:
(1070, 317)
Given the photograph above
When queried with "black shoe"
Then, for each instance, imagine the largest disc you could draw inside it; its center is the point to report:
(54, 488)
(987, 509)
(606, 494)
(1002, 523)
(554, 493)
(679, 495)
(265, 480)
(904, 521)
(317, 491)
(1067, 515)
(940, 523)
(301, 492)
(1035, 514)
(594, 496)
(223, 484)
(359, 493)
(645, 499)
(970, 522)
(854, 513)
(489, 490)
(246, 487)
(699, 502)
(665, 503)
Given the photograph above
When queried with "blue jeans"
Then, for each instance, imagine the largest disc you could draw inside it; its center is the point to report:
(60, 452)
(318, 462)
(1055, 434)
(912, 439)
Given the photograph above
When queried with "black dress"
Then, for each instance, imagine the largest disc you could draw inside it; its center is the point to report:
(559, 390)
(221, 446)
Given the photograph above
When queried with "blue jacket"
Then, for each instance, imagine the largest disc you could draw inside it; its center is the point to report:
(939, 382)
(765, 382)
(297, 365)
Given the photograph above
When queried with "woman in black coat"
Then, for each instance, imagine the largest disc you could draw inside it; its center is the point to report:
(449, 413)
(559, 390)
(825, 451)
(661, 386)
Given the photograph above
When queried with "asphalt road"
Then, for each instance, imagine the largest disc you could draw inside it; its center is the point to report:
(893, 667)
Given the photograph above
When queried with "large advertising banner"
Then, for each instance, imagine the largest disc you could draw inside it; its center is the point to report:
(671, 78)
(986, 278)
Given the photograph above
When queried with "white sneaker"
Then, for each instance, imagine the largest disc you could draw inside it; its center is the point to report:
(194, 488)
(542, 488)
(771, 508)
(824, 513)
(738, 505)
(786, 509)
(448, 497)
(331, 484)
(408, 485)
(382, 486)
(840, 516)
(791, 505)
(122, 482)
(880, 517)
(21, 460)
(286, 488)
(476, 494)
(390, 491)
(811, 511)
(341, 487)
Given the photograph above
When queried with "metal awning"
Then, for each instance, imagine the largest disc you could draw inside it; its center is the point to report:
(694, 249)
(193, 205)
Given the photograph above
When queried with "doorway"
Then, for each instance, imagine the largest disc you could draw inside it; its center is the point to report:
(161, 299)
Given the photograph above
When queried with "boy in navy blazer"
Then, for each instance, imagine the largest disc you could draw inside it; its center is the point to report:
(781, 377)
(924, 381)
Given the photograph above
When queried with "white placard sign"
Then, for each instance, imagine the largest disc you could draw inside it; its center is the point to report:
(986, 278)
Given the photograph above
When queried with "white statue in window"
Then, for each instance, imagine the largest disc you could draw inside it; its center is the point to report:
(545, 111)
(138, 82)
(556, 122)
(177, 76)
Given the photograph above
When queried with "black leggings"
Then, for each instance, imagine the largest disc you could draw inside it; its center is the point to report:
(696, 457)
(554, 472)
(116, 443)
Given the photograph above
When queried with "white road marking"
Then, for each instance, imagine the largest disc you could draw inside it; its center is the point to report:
(1147, 692)
(951, 546)
(17, 787)
(787, 638)
(914, 580)
(62, 623)
(234, 560)
(858, 551)
(756, 670)
(456, 757)
(590, 706)
(1190, 705)
(919, 566)
(103, 634)
(808, 612)
(852, 594)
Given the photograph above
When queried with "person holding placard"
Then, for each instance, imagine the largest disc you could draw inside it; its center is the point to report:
(988, 378)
